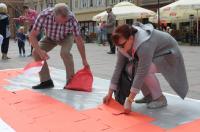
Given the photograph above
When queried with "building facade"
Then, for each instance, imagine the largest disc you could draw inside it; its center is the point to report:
(86, 9)
(83, 9)
(152, 4)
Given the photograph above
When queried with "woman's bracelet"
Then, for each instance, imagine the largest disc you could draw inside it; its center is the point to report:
(130, 99)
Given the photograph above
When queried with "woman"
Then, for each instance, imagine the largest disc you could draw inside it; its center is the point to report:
(156, 51)
(4, 30)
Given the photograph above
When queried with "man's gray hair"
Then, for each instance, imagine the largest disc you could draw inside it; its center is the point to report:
(61, 9)
(109, 8)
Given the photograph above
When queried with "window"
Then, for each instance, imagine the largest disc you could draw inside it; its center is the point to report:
(84, 3)
(49, 3)
(41, 6)
(126, 0)
(91, 3)
(100, 3)
(76, 4)
(112, 2)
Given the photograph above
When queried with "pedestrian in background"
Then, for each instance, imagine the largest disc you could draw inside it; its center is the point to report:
(29, 17)
(4, 30)
(110, 26)
(21, 38)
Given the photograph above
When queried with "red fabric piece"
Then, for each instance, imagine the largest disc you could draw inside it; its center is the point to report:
(106, 114)
(192, 126)
(33, 64)
(82, 81)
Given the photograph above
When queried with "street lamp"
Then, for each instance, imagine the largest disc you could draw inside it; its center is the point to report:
(158, 14)
(70, 5)
(106, 3)
(197, 8)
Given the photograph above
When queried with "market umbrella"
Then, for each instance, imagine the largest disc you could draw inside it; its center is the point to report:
(181, 9)
(125, 10)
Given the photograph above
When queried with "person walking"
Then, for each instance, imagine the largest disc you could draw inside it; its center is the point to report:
(110, 26)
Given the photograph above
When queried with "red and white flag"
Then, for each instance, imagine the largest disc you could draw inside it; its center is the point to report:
(33, 68)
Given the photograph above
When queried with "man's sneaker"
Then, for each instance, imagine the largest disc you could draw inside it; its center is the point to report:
(147, 99)
(43, 85)
(110, 52)
(158, 103)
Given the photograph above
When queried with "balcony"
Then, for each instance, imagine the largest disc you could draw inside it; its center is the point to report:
(12, 1)
(88, 9)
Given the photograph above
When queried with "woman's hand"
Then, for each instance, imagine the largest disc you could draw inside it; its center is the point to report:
(108, 97)
(127, 106)
(128, 103)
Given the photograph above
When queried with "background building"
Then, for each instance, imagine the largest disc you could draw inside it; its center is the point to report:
(86, 9)
(83, 9)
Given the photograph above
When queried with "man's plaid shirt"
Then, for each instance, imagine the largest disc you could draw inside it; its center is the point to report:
(54, 30)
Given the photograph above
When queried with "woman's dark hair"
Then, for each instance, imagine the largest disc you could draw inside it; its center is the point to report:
(123, 30)
(25, 7)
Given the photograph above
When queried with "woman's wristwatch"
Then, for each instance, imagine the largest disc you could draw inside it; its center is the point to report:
(130, 99)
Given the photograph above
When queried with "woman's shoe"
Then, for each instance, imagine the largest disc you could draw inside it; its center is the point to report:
(158, 103)
(4, 57)
(7, 57)
(147, 99)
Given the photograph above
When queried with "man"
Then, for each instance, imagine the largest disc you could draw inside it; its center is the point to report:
(110, 26)
(60, 27)
(29, 16)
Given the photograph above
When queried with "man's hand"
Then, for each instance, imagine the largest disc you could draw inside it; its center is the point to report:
(34, 42)
(43, 54)
(81, 49)
(85, 63)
